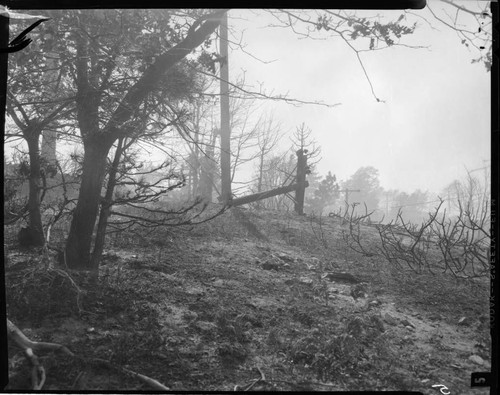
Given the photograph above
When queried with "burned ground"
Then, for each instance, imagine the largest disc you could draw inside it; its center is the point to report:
(247, 297)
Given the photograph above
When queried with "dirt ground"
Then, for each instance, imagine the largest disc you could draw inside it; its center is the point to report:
(250, 301)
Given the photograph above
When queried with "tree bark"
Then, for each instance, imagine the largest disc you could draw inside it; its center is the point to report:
(261, 175)
(301, 180)
(255, 197)
(106, 208)
(225, 124)
(34, 236)
(79, 241)
(49, 136)
(196, 153)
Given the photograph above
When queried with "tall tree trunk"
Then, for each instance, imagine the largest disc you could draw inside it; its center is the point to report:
(301, 181)
(207, 167)
(195, 171)
(49, 136)
(196, 153)
(261, 174)
(225, 127)
(106, 208)
(79, 241)
(34, 235)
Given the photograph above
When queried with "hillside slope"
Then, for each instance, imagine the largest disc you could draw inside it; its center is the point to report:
(258, 299)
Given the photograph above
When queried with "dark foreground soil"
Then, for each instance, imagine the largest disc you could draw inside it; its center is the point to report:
(246, 302)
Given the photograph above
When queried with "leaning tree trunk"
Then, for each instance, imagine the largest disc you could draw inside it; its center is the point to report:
(34, 236)
(106, 207)
(79, 241)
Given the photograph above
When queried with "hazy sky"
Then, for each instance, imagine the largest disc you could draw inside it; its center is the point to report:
(435, 120)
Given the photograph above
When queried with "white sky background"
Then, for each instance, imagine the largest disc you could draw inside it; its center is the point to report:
(435, 121)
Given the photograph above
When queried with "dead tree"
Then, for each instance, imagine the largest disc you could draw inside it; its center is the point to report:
(299, 187)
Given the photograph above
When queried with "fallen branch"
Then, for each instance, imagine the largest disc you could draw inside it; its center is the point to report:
(304, 385)
(145, 379)
(15, 334)
(301, 385)
(261, 379)
(37, 372)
